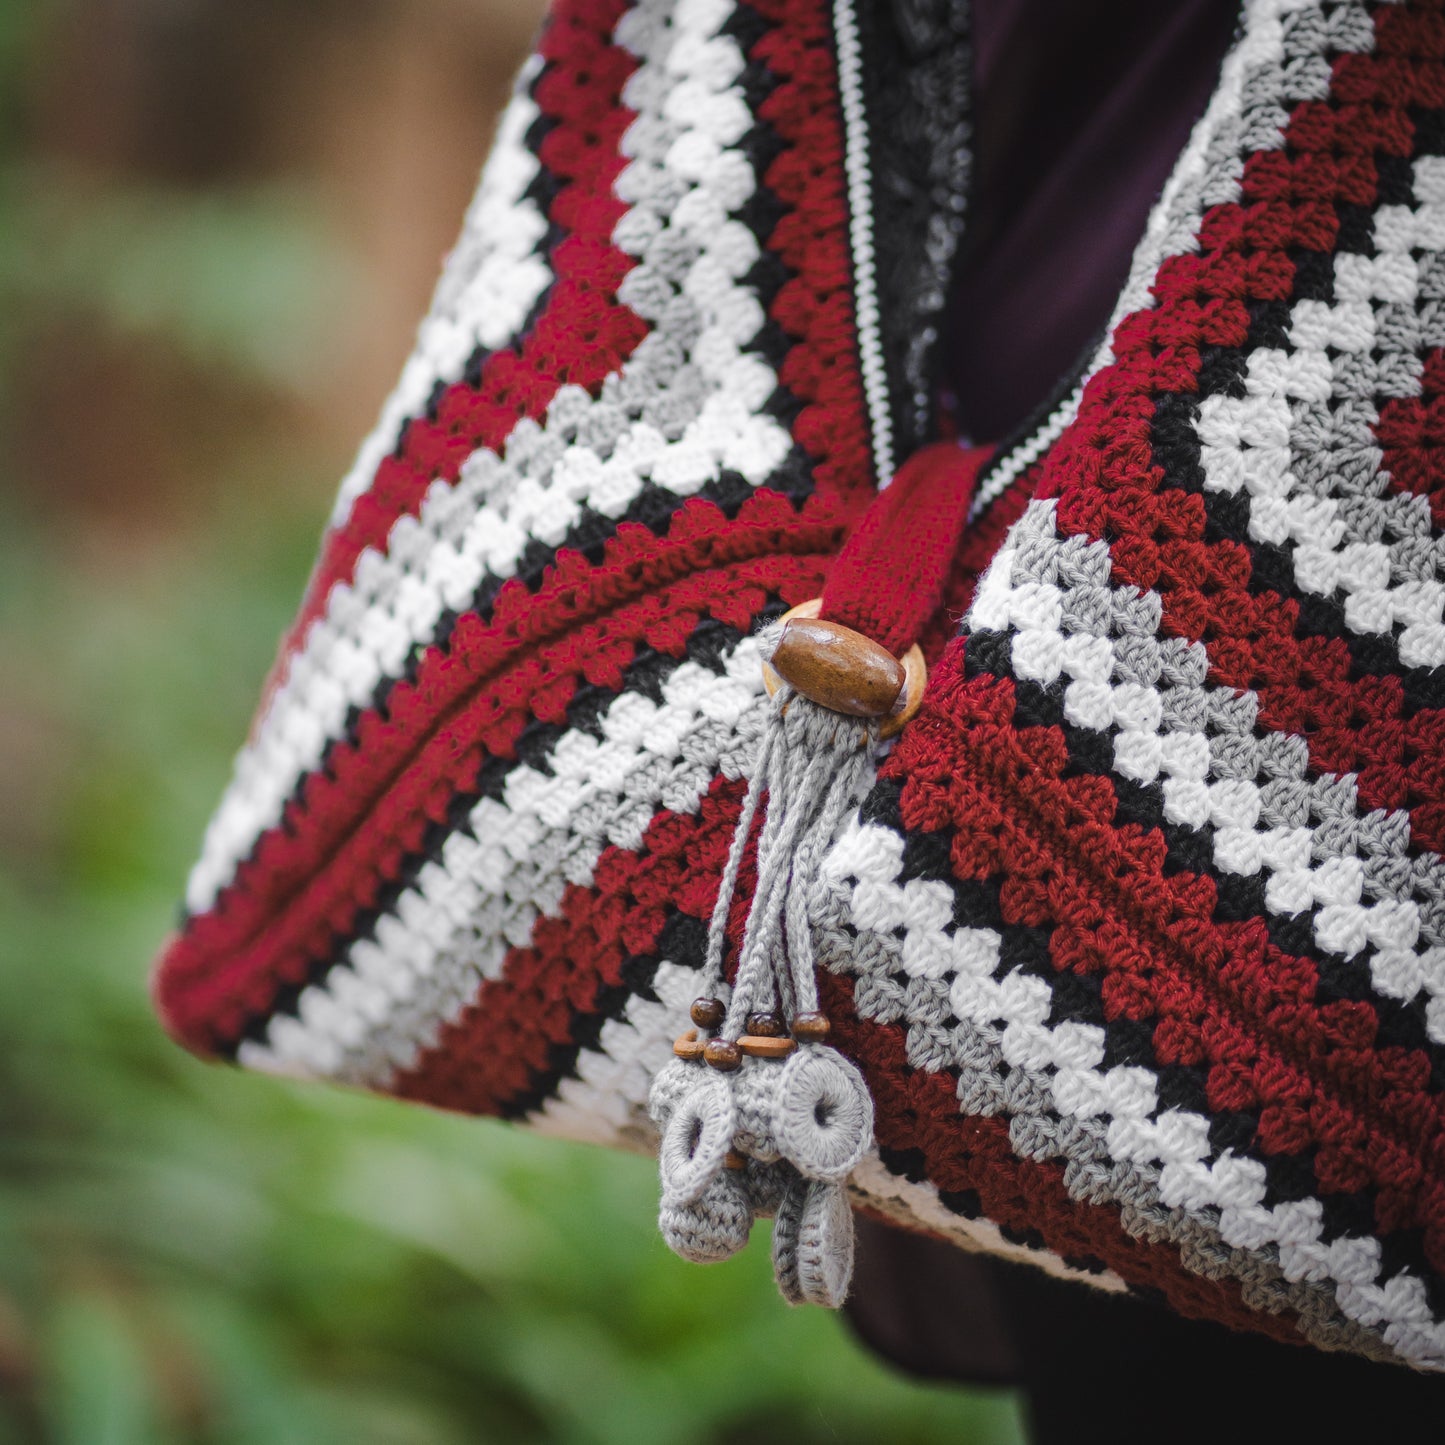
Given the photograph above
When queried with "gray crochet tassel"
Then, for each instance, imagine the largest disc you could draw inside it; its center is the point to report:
(774, 1137)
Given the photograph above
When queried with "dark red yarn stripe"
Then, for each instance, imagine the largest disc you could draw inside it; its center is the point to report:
(583, 332)
(489, 1056)
(814, 306)
(1411, 430)
(492, 1053)
(295, 901)
(1218, 995)
(1103, 470)
(355, 823)
(1400, 761)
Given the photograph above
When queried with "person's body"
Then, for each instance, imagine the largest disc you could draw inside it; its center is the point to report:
(1080, 112)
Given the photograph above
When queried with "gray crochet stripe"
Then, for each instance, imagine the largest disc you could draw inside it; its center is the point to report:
(693, 252)
(1364, 348)
(1222, 722)
(1022, 1095)
(555, 857)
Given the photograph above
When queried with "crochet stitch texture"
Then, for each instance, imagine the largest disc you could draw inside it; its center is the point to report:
(1139, 938)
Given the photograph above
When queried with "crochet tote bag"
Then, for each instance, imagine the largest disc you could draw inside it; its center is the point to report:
(1132, 942)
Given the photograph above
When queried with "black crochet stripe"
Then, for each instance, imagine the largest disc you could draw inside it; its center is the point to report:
(709, 645)
(682, 941)
(917, 68)
(1078, 997)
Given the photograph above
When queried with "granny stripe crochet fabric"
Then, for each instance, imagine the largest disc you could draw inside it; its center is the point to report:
(1139, 937)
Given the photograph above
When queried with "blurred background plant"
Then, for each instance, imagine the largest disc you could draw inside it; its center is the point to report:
(218, 224)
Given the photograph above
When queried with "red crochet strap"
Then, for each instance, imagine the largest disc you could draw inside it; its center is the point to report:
(889, 578)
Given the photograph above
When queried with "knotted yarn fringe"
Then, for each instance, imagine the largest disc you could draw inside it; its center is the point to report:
(813, 764)
(774, 1137)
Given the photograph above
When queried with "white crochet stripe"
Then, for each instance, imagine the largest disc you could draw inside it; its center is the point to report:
(687, 405)
(491, 281)
(1333, 524)
(1230, 1188)
(1021, 457)
(1359, 883)
(1207, 173)
(866, 316)
(1246, 442)
(376, 1011)
(606, 1103)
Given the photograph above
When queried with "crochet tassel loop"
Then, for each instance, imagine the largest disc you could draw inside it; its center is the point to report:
(755, 1123)
(759, 1117)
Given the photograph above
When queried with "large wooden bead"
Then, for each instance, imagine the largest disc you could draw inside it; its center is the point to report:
(767, 1025)
(838, 668)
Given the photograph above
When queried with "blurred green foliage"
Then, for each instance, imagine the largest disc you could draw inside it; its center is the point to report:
(190, 1254)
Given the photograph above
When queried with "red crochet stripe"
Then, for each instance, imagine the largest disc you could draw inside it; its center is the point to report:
(1103, 469)
(919, 1110)
(357, 821)
(407, 765)
(491, 1055)
(1220, 995)
(583, 333)
(814, 306)
(1411, 429)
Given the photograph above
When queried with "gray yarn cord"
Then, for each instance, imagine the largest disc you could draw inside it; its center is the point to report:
(804, 1124)
(814, 765)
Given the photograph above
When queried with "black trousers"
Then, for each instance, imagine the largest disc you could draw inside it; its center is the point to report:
(1096, 1367)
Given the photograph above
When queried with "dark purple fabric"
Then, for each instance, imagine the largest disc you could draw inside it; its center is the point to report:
(1102, 1368)
(1080, 110)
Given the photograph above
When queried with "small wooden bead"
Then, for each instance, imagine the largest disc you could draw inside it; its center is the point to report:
(811, 1028)
(757, 1046)
(707, 1013)
(733, 1160)
(765, 1025)
(688, 1045)
(838, 668)
(722, 1055)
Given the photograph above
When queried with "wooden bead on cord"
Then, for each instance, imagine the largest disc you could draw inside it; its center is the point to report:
(707, 1013)
(811, 1028)
(838, 668)
(722, 1055)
